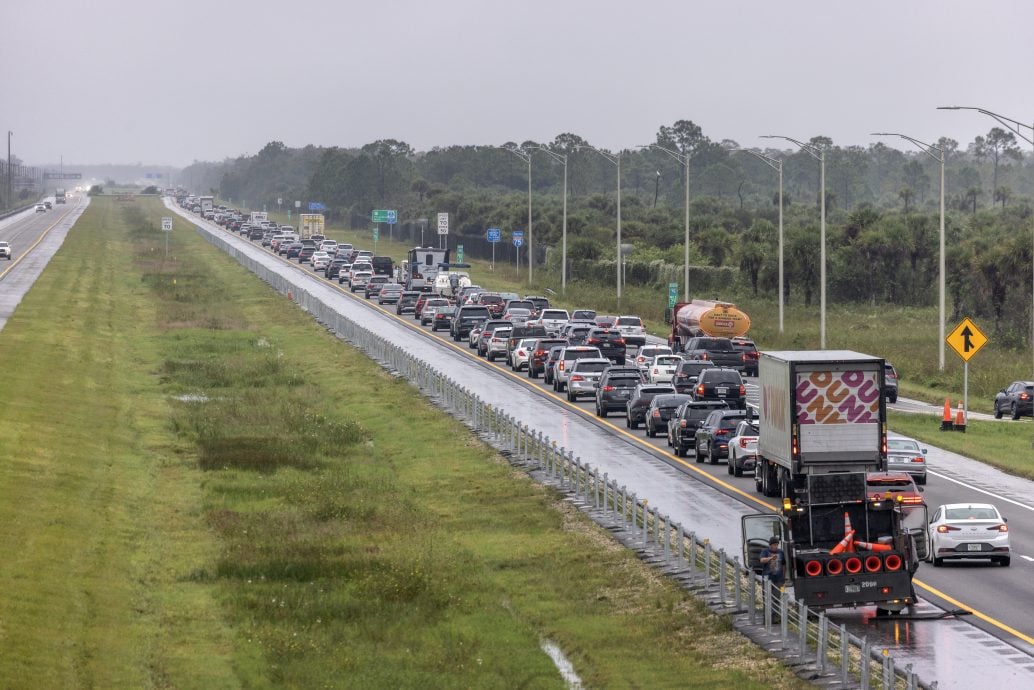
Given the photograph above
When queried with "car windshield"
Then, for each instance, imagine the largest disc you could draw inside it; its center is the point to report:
(591, 367)
(719, 378)
(971, 513)
(630, 321)
(666, 360)
(584, 314)
(554, 314)
(624, 382)
(902, 444)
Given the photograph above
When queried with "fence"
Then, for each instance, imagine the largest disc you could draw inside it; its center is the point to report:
(759, 610)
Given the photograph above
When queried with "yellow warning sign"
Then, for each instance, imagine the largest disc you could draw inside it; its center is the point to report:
(966, 339)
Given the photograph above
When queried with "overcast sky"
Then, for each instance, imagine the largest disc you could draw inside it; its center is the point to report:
(99, 81)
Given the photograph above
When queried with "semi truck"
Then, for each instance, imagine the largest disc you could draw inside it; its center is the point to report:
(422, 265)
(822, 429)
(701, 317)
(207, 204)
(258, 217)
(59, 196)
(310, 224)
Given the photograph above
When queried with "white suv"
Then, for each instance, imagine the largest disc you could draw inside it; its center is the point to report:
(632, 330)
(5, 250)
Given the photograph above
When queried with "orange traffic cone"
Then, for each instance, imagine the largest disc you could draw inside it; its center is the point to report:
(847, 523)
(946, 424)
(960, 420)
(869, 546)
(844, 545)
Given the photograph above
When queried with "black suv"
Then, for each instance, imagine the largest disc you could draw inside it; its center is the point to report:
(466, 317)
(685, 379)
(639, 402)
(662, 407)
(518, 334)
(1017, 399)
(615, 388)
(610, 342)
(712, 437)
(407, 302)
(890, 383)
(721, 384)
(683, 425)
(749, 353)
(549, 368)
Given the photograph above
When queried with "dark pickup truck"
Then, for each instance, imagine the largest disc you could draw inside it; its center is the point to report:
(717, 350)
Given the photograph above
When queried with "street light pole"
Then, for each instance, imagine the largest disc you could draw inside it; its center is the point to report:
(819, 154)
(683, 159)
(929, 149)
(562, 158)
(1013, 126)
(9, 200)
(777, 165)
(616, 160)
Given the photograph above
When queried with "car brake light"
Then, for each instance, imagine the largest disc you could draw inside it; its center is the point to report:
(703, 355)
(594, 341)
(1024, 396)
(683, 423)
(619, 341)
(944, 529)
(743, 357)
(607, 389)
(743, 443)
(655, 370)
(520, 352)
(918, 458)
(723, 431)
(999, 528)
(577, 377)
(743, 390)
(914, 500)
(560, 365)
(656, 414)
(700, 389)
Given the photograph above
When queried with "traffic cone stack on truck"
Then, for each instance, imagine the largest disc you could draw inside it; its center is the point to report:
(822, 428)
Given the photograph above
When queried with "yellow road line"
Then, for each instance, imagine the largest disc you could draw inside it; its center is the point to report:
(33, 246)
(982, 616)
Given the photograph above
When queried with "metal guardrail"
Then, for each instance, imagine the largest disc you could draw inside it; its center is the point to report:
(763, 612)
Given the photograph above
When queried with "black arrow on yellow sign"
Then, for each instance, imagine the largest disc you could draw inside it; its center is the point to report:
(966, 334)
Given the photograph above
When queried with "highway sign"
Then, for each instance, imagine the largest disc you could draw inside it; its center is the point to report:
(459, 253)
(494, 234)
(443, 223)
(673, 294)
(297, 204)
(62, 176)
(518, 238)
(388, 216)
(966, 339)
(166, 224)
(317, 206)
(376, 233)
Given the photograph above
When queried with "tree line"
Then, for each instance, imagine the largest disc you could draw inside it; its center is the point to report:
(882, 208)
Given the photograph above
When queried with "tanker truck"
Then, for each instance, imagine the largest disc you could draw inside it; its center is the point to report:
(702, 317)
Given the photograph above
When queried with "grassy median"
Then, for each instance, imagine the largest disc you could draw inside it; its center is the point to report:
(199, 487)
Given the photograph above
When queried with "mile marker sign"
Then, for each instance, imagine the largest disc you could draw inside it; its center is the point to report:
(966, 339)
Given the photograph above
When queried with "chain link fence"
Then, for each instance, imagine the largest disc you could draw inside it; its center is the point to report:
(806, 638)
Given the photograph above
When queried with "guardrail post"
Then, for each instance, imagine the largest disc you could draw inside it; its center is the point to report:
(606, 485)
(766, 593)
(679, 541)
(888, 670)
(666, 548)
(845, 654)
(784, 616)
(721, 576)
(691, 557)
(707, 563)
(802, 628)
(821, 648)
(866, 659)
(624, 505)
(738, 575)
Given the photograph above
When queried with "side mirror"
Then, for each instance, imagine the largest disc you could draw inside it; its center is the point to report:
(924, 451)
(921, 488)
(1005, 519)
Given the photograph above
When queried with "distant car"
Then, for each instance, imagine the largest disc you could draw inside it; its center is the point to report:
(442, 320)
(374, 285)
(610, 342)
(721, 384)
(553, 319)
(389, 294)
(639, 402)
(662, 407)
(743, 448)
(517, 316)
(750, 355)
(890, 382)
(1016, 399)
(905, 455)
(495, 343)
(584, 375)
(688, 372)
(632, 330)
(712, 437)
(359, 280)
(968, 530)
(565, 362)
(549, 368)
(520, 355)
(663, 368)
(425, 313)
(539, 354)
(40, 208)
(894, 486)
(646, 353)
(5, 250)
(584, 315)
(48, 205)
(615, 388)
(407, 302)
(684, 422)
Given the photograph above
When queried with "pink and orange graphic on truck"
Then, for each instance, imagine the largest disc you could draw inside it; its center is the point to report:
(838, 397)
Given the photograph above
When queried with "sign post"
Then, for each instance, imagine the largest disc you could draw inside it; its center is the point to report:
(518, 240)
(376, 235)
(494, 235)
(966, 339)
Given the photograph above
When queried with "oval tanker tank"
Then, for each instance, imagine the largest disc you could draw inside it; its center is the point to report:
(707, 317)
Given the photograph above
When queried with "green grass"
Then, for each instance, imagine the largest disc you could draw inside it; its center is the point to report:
(1007, 446)
(199, 487)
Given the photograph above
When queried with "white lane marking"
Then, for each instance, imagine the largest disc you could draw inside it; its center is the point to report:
(1027, 557)
(983, 491)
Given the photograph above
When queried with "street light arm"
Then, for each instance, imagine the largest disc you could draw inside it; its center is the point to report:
(812, 150)
(560, 158)
(928, 149)
(1007, 122)
(682, 158)
(771, 162)
(609, 156)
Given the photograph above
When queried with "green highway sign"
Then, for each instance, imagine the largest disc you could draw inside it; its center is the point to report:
(384, 216)
(376, 233)
(459, 253)
(673, 294)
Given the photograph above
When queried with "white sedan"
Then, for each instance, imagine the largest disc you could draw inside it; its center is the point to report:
(662, 369)
(969, 530)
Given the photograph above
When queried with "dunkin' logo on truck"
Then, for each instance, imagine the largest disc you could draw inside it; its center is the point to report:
(838, 397)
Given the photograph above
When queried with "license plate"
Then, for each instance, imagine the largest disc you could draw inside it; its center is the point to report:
(721, 390)
(852, 589)
(975, 547)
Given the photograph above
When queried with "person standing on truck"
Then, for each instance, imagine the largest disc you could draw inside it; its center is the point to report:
(774, 562)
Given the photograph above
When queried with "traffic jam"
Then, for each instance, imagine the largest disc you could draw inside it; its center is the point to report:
(850, 503)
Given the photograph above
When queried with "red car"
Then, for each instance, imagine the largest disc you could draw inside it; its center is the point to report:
(892, 485)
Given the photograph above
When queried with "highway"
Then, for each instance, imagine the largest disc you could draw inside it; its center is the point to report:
(34, 238)
(995, 644)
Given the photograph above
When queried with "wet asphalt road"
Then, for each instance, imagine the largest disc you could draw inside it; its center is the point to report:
(997, 645)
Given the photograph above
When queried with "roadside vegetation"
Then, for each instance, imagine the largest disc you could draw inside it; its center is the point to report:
(1005, 445)
(202, 488)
